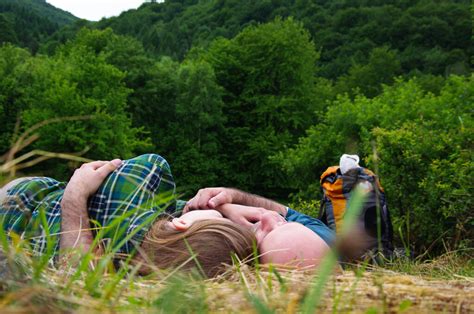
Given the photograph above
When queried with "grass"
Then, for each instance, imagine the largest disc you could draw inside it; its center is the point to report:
(10, 164)
(420, 288)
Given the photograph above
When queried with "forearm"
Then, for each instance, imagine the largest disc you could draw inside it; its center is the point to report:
(244, 198)
(75, 226)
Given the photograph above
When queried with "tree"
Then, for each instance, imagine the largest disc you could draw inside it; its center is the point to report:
(269, 97)
(13, 68)
(74, 82)
(382, 67)
(8, 34)
(196, 152)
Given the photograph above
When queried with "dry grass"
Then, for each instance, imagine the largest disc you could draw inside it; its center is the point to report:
(352, 291)
(386, 291)
(10, 163)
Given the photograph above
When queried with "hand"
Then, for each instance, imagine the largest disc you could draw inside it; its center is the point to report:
(87, 179)
(242, 215)
(209, 198)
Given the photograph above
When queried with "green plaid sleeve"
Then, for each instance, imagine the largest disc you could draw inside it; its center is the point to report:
(32, 210)
(121, 211)
(131, 199)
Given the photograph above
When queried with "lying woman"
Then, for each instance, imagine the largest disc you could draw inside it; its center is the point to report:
(135, 211)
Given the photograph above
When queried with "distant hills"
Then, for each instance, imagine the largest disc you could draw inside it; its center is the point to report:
(427, 36)
(430, 36)
(27, 23)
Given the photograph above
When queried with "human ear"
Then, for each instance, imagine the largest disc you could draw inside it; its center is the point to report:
(180, 224)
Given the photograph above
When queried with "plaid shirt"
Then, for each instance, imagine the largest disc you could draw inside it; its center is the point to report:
(121, 211)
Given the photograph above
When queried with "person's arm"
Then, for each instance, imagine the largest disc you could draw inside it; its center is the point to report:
(75, 226)
(214, 197)
(248, 199)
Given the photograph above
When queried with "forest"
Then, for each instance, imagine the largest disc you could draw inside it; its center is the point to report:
(260, 95)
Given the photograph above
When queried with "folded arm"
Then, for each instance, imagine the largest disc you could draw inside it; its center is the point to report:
(241, 207)
(75, 226)
(214, 197)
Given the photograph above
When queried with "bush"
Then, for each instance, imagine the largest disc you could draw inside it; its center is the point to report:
(425, 162)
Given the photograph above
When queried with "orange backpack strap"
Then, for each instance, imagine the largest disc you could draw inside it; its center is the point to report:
(334, 201)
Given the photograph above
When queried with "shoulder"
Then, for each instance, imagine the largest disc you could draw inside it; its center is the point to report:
(312, 223)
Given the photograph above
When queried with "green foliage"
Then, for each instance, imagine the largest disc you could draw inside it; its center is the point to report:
(269, 96)
(12, 71)
(423, 142)
(429, 37)
(29, 22)
(74, 82)
(138, 74)
(8, 34)
(308, 207)
(41, 9)
(77, 82)
(154, 101)
(382, 67)
(432, 37)
(192, 137)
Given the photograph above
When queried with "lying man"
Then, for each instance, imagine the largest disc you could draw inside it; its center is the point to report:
(132, 204)
(284, 236)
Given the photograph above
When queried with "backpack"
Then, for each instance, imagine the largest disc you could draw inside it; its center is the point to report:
(337, 188)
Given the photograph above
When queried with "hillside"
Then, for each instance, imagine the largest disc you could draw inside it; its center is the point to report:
(27, 23)
(428, 36)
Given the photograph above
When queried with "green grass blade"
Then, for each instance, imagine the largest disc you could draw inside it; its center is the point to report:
(312, 299)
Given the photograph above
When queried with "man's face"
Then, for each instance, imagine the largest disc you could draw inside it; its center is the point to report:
(279, 241)
(289, 243)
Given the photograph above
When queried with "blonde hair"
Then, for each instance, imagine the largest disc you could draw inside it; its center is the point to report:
(211, 241)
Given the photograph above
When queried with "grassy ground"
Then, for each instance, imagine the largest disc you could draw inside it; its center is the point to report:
(445, 284)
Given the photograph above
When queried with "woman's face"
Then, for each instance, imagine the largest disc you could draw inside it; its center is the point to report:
(279, 241)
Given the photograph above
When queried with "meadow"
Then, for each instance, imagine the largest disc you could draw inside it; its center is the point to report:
(444, 285)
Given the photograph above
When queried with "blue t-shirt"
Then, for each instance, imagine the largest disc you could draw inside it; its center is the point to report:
(316, 225)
